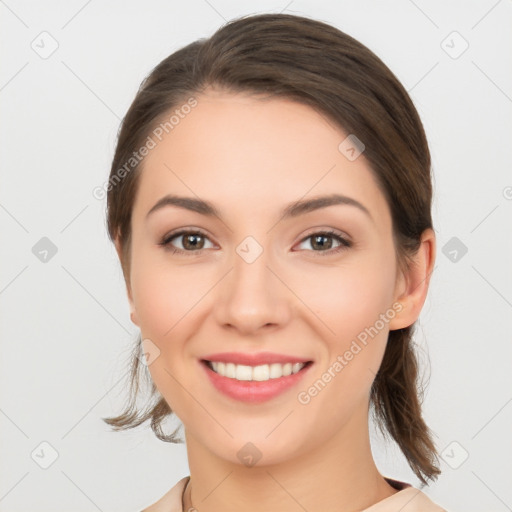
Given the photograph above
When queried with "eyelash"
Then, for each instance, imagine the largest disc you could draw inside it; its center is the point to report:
(344, 243)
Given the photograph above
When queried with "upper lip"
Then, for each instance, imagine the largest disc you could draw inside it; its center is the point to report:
(255, 359)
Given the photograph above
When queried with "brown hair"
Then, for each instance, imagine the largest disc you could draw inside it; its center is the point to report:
(311, 62)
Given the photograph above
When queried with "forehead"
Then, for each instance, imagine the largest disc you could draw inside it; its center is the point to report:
(251, 152)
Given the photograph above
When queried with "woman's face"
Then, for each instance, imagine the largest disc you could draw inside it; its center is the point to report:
(262, 284)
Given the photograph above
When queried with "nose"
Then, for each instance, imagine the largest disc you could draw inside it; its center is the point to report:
(252, 296)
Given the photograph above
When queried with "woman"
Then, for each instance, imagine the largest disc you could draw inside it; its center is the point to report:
(269, 200)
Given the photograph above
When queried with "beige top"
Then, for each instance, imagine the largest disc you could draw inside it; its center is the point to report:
(407, 499)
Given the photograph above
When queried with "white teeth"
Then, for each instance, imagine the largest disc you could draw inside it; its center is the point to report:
(276, 370)
(261, 372)
(296, 367)
(230, 370)
(242, 372)
(256, 373)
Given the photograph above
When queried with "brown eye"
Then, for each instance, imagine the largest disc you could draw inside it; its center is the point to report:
(323, 242)
(191, 241)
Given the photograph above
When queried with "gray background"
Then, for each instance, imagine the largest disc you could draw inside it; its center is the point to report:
(65, 326)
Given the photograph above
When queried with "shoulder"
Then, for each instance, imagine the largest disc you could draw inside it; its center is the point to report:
(414, 500)
(171, 500)
(408, 499)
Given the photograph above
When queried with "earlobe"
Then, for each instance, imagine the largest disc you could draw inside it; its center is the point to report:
(414, 285)
(133, 309)
(133, 312)
(133, 317)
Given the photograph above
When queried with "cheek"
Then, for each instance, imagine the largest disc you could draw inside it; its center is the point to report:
(164, 296)
(164, 300)
(354, 306)
(169, 303)
(349, 298)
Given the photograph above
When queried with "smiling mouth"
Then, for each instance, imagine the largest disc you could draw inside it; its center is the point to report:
(259, 373)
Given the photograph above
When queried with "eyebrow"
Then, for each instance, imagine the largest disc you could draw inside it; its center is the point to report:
(292, 210)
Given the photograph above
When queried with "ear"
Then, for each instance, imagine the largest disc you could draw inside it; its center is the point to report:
(126, 274)
(412, 287)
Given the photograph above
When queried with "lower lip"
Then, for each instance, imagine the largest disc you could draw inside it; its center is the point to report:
(254, 391)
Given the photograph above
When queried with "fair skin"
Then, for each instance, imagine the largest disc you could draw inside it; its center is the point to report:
(250, 158)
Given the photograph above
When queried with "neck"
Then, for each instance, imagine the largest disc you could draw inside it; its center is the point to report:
(339, 475)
